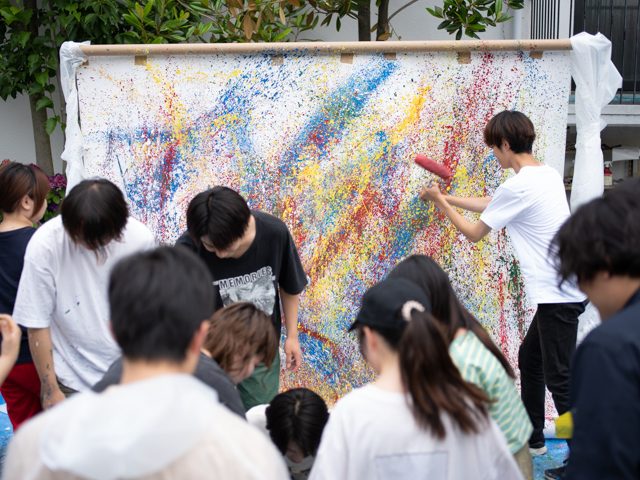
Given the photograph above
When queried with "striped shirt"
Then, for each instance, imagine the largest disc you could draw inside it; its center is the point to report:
(479, 366)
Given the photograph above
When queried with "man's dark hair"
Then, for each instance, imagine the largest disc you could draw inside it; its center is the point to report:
(94, 213)
(299, 416)
(158, 300)
(512, 126)
(219, 213)
(601, 236)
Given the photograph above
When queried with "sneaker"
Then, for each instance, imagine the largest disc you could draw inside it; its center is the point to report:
(555, 473)
(538, 450)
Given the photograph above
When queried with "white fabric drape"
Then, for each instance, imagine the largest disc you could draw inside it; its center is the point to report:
(597, 81)
(71, 57)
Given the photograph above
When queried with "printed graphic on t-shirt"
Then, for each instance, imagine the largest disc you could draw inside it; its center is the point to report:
(413, 465)
(255, 287)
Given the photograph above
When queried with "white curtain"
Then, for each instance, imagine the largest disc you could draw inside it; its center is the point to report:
(597, 81)
(71, 57)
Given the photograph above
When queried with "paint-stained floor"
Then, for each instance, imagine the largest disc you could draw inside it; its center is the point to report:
(555, 456)
(557, 452)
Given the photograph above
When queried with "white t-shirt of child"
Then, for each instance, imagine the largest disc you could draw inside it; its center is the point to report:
(372, 434)
(64, 287)
(533, 206)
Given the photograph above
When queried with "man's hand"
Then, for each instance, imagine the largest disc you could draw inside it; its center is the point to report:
(431, 194)
(51, 396)
(292, 352)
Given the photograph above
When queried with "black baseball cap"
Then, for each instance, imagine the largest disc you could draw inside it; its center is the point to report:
(383, 304)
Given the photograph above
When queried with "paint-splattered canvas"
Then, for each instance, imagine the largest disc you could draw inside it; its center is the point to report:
(328, 146)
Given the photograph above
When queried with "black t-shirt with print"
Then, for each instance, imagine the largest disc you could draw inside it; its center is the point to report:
(271, 261)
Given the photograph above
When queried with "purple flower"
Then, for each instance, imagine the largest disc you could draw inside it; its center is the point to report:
(58, 181)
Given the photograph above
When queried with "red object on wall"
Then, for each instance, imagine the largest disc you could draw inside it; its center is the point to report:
(432, 166)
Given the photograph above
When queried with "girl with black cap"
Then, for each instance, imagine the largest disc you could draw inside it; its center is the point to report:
(419, 419)
(478, 359)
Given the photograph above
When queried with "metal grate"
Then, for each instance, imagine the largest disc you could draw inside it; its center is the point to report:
(545, 18)
(619, 21)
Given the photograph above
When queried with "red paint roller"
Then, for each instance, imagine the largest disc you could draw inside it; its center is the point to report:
(432, 166)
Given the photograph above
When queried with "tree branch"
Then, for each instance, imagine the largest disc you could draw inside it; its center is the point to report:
(401, 9)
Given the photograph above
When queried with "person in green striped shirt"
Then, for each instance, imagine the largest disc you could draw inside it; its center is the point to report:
(478, 359)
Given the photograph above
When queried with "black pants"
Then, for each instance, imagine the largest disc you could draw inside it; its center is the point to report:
(544, 358)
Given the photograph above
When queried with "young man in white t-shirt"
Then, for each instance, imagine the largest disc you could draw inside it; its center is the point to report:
(62, 295)
(161, 422)
(532, 205)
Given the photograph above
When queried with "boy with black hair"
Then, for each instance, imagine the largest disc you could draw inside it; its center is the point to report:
(532, 205)
(600, 246)
(160, 423)
(252, 258)
(62, 297)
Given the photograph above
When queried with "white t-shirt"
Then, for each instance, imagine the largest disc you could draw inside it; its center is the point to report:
(372, 434)
(64, 287)
(533, 206)
(164, 428)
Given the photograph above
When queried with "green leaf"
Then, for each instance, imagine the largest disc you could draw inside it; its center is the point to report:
(22, 38)
(50, 125)
(44, 102)
(42, 78)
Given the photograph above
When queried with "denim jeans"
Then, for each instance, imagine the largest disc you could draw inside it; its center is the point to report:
(544, 359)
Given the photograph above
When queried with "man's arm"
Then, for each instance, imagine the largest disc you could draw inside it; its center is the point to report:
(472, 204)
(42, 353)
(473, 231)
(292, 350)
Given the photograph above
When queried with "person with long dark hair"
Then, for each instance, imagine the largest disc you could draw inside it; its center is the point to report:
(479, 360)
(419, 418)
(22, 204)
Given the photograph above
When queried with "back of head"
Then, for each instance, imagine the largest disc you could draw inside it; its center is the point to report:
(398, 311)
(434, 282)
(299, 416)
(158, 300)
(239, 332)
(219, 213)
(445, 305)
(17, 181)
(94, 213)
(513, 127)
(602, 235)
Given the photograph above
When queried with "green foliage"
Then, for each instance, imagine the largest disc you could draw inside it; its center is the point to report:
(32, 32)
(469, 17)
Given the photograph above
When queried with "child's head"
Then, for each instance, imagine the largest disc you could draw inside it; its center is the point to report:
(240, 337)
(94, 213)
(24, 188)
(158, 300)
(218, 218)
(512, 127)
(395, 326)
(599, 246)
(295, 420)
(445, 305)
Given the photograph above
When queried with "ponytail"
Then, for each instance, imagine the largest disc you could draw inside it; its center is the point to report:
(433, 381)
(445, 305)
